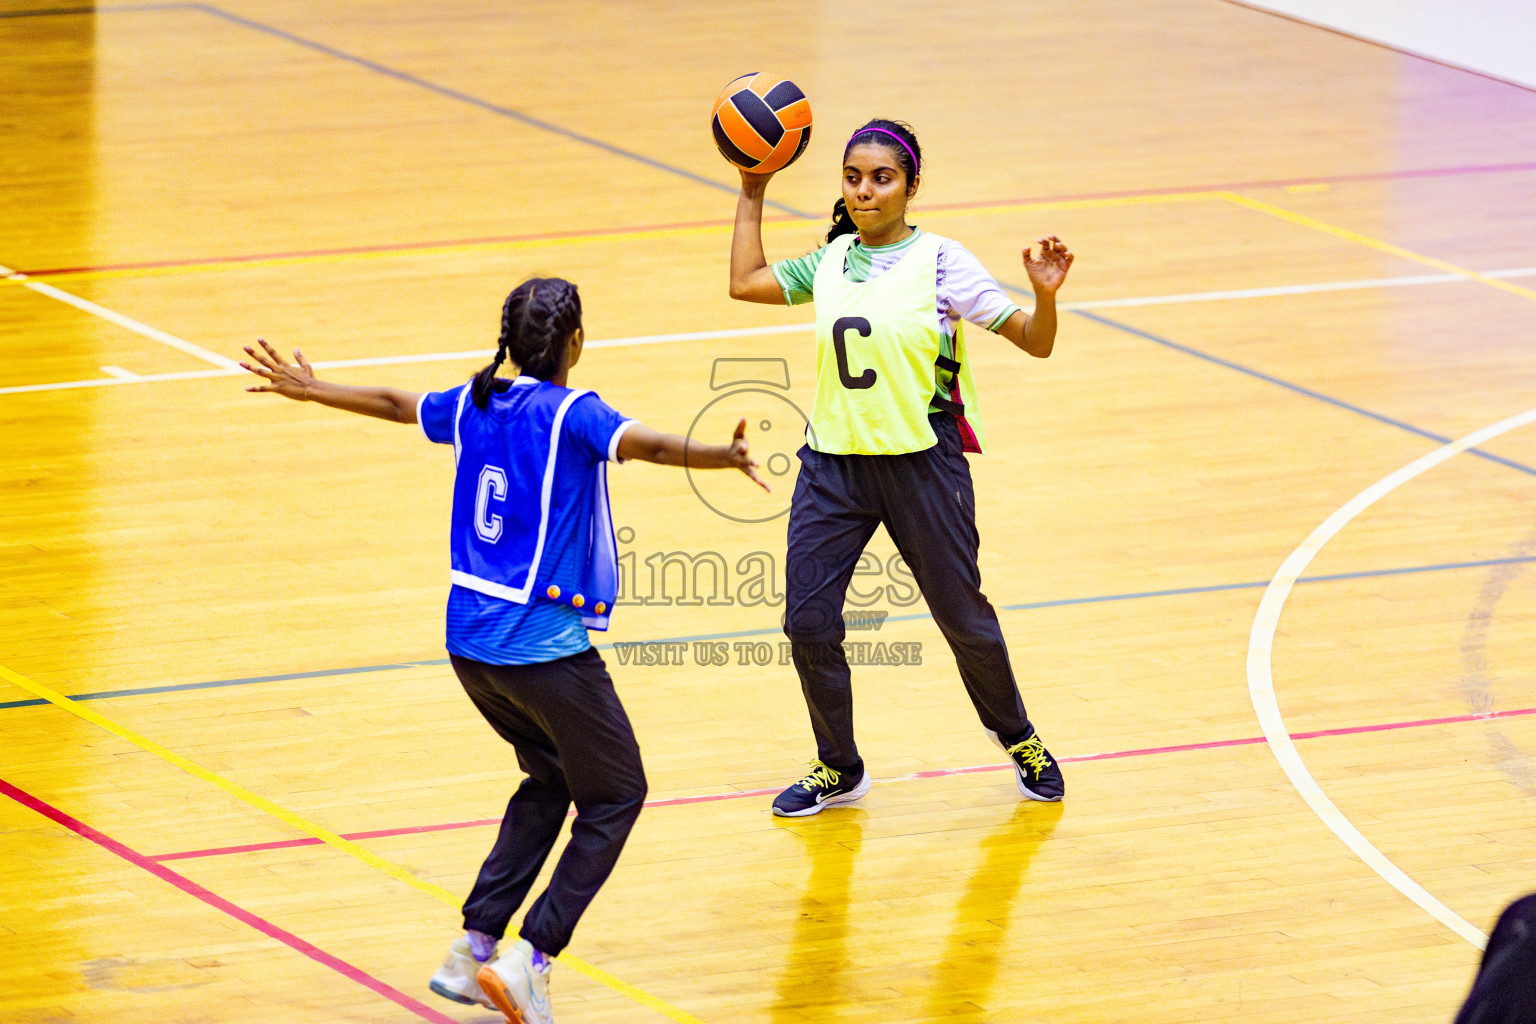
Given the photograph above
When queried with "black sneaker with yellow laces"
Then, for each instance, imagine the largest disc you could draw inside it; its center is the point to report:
(1034, 769)
(823, 786)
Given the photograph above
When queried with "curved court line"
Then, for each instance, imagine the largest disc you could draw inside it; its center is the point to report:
(326, 836)
(1261, 683)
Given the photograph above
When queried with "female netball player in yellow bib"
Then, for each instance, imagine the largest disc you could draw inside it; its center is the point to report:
(895, 411)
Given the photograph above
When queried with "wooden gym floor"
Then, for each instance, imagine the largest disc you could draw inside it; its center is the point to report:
(1260, 531)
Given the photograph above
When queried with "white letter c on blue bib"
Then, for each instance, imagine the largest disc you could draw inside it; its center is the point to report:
(493, 484)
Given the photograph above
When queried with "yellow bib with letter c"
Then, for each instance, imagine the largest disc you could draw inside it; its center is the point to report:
(877, 343)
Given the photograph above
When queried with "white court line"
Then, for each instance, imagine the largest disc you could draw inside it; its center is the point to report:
(1296, 289)
(1261, 683)
(153, 333)
(231, 367)
(121, 376)
(1260, 293)
(642, 339)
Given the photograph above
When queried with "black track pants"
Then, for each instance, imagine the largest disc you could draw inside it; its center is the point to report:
(927, 504)
(574, 740)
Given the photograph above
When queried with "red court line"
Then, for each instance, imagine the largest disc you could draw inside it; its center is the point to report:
(218, 902)
(1350, 730)
(407, 247)
(285, 844)
(937, 773)
(1234, 186)
(400, 247)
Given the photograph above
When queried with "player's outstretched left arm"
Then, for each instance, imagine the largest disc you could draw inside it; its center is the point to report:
(1035, 333)
(300, 384)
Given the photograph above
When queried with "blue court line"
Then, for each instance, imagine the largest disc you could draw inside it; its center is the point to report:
(1027, 606)
(494, 108)
(403, 76)
(1299, 389)
(217, 683)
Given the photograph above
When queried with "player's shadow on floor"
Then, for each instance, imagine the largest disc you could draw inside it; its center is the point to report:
(812, 982)
(966, 970)
(815, 981)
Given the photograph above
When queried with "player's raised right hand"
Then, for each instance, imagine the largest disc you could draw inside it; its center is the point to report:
(751, 180)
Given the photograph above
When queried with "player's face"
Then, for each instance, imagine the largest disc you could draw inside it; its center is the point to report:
(876, 190)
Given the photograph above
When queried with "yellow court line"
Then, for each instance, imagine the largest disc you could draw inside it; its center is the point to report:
(1110, 202)
(326, 836)
(1373, 243)
(506, 245)
(512, 245)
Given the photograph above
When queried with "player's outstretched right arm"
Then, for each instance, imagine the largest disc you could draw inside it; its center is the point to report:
(300, 384)
(647, 445)
(752, 279)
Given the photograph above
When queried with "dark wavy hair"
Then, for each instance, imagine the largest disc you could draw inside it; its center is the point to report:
(874, 133)
(537, 321)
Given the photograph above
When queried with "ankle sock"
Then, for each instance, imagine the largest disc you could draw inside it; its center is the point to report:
(540, 962)
(481, 946)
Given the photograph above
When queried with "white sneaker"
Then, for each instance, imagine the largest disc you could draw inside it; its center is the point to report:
(517, 988)
(456, 978)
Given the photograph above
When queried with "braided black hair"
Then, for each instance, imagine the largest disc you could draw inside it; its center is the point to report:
(537, 321)
(874, 133)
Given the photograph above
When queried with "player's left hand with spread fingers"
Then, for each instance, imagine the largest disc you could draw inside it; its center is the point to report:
(1048, 272)
(740, 458)
(282, 377)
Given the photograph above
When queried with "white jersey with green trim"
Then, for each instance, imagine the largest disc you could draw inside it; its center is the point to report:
(964, 287)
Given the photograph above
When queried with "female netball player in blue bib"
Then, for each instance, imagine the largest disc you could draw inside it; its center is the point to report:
(534, 564)
(895, 410)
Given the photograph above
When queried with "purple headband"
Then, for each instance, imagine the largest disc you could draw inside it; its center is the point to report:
(893, 135)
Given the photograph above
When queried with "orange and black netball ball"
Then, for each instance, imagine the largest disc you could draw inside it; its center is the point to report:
(761, 123)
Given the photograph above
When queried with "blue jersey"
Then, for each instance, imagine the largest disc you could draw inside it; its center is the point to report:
(532, 555)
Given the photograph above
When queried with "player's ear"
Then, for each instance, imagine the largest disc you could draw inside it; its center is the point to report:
(573, 346)
(912, 188)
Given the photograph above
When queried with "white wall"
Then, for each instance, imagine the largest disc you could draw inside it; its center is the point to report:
(1497, 37)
